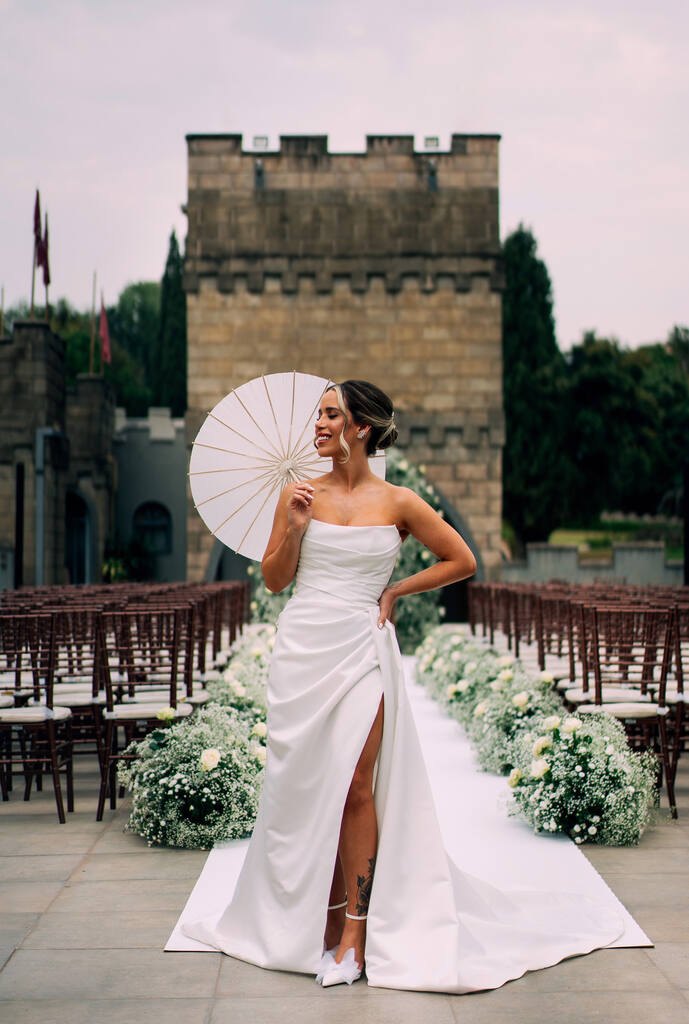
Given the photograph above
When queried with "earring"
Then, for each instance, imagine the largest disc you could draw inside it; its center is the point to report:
(361, 434)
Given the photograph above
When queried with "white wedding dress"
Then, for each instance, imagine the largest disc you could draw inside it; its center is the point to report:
(430, 926)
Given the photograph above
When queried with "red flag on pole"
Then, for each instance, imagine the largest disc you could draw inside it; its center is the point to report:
(104, 334)
(43, 260)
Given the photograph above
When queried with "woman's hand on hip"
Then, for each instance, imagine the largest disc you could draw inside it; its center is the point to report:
(386, 603)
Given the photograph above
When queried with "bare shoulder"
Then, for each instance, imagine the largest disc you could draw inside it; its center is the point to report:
(407, 502)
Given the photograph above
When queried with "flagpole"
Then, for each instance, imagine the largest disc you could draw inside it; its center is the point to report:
(93, 324)
(33, 277)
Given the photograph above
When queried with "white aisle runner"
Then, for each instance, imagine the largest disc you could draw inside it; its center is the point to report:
(479, 834)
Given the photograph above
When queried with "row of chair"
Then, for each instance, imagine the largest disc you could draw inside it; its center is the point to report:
(621, 650)
(85, 668)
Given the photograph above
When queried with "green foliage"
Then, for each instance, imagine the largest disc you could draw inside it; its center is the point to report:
(170, 380)
(134, 324)
(535, 468)
(628, 424)
(603, 428)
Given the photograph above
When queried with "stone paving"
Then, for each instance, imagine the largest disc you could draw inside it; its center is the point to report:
(85, 910)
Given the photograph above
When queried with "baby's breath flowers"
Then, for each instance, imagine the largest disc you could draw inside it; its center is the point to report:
(566, 774)
(195, 783)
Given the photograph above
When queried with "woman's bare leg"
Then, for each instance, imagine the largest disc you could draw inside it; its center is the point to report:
(359, 842)
(336, 918)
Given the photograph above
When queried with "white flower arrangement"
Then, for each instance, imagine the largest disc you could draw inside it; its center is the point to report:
(566, 773)
(195, 783)
(596, 789)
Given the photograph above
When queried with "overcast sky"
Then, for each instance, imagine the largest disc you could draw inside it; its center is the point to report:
(590, 97)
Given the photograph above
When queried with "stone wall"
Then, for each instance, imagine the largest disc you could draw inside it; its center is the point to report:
(639, 563)
(77, 441)
(382, 265)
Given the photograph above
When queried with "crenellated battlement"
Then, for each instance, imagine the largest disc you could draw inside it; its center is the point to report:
(302, 211)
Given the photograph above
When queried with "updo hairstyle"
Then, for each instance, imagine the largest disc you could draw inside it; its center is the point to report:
(368, 406)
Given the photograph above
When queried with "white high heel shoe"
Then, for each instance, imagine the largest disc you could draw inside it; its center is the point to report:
(348, 970)
(328, 958)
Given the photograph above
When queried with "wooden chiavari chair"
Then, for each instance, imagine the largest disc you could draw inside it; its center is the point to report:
(34, 733)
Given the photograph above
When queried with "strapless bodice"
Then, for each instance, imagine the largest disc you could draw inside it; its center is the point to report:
(346, 563)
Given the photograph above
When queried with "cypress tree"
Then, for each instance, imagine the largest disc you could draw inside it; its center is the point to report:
(171, 348)
(536, 473)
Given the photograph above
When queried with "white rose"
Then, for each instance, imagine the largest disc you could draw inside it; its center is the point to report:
(505, 675)
(551, 722)
(539, 768)
(210, 759)
(470, 667)
(515, 777)
(259, 752)
(547, 677)
(541, 744)
(451, 690)
(260, 729)
(577, 828)
(592, 830)
(166, 714)
(571, 724)
(254, 606)
(257, 651)
(455, 656)
(505, 661)
(403, 465)
(497, 685)
(438, 664)
(237, 689)
(520, 700)
(481, 708)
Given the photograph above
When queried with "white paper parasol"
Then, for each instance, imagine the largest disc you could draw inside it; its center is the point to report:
(256, 440)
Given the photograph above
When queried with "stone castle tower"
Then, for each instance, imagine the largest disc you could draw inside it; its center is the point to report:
(383, 265)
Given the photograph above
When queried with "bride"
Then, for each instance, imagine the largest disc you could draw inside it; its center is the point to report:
(346, 865)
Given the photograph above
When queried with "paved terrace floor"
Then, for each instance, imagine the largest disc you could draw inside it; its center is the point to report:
(85, 910)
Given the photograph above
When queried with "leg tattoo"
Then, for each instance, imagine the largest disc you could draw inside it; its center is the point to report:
(364, 884)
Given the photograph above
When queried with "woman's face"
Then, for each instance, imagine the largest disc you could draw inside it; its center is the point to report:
(330, 424)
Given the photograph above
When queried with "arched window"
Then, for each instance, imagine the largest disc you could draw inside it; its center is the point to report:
(153, 528)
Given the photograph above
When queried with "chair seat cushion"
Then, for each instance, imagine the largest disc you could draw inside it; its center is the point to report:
(39, 713)
(6, 701)
(72, 699)
(197, 698)
(623, 710)
(132, 711)
(610, 694)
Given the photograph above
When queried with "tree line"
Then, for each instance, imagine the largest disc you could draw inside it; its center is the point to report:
(601, 427)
